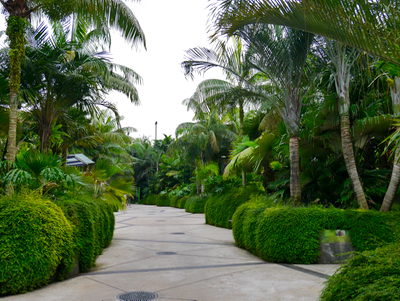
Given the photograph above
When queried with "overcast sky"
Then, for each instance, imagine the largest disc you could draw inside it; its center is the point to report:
(171, 27)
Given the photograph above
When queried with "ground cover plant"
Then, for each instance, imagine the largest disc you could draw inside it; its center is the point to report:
(370, 275)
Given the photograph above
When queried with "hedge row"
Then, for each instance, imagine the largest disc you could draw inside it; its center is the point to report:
(371, 275)
(36, 243)
(94, 223)
(193, 204)
(220, 208)
(39, 239)
(291, 235)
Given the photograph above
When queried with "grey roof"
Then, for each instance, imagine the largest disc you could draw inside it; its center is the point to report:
(78, 160)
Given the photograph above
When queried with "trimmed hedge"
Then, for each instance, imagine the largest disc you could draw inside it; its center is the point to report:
(36, 243)
(150, 199)
(163, 200)
(291, 235)
(371, 275)
(174, 201)
(220, 208)
(182, 202)
(195, 204)
(94, 228)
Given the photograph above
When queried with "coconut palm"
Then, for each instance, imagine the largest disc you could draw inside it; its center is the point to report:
(370, 26)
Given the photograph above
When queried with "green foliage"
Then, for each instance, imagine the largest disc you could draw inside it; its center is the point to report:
(371, 275)
(220, 208)
(195, 204)
(245, 221)
(291, 235)
(182, 202)
(163, 200)
(150, 199)
(36, 243)
(94, 227)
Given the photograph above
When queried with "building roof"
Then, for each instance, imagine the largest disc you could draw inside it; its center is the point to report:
(78, 160)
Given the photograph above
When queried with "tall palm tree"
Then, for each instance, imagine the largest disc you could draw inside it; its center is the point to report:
(371, 26)
(340, 61)
(113, 13)
(281, 54)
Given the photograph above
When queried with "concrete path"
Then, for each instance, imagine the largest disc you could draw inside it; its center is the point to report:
(173, 254)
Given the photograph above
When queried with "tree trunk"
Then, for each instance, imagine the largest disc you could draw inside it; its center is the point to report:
(395, 178)
(349, 160)
(295, 186)
(15, 32)
(241, 133)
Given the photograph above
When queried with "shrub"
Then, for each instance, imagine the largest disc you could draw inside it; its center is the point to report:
(182, 202)
(94, 227)
(35, 243)
(195, 204)
(245, 222)
(150, 199)
(162, 200)
(371, 275)
(291, 235)
(174, 201)
(220, 208)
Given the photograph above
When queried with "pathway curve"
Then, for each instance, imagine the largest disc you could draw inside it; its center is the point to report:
(175, 255)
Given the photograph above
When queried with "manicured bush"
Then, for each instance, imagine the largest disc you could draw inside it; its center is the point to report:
(174, 201)
(182, 202)
(150, 199)
(162, 200)
(220, 208)
(245, 222)
(195, 204)
(36, 243)
(291, 235)
(371, 275)
(94, 227)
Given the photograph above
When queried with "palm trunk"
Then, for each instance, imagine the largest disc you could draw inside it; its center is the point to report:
(295, 185)
(15, 31)
(349, 160)
(241, 132)
(395, 178)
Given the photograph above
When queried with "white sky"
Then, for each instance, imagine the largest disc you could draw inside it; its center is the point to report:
(171, 27)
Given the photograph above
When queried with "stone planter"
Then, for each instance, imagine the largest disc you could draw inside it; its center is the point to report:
(335, 246)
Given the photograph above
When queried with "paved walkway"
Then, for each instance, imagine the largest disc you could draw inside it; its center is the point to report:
(175, 255)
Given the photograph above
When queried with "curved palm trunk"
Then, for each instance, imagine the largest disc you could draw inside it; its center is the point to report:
(343, 63)
(241, 124)
(395, 178)
(349, 160)
(295, 185)
(15, 31)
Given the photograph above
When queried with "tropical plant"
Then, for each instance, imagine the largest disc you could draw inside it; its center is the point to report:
(113, 13)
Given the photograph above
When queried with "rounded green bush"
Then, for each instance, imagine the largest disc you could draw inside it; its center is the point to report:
(94, 227)
(182, 202)
(220, 208)
(174, 201)
(371, 275)
(195, 204)
(163, 200)
(36, 243)
(150, 199)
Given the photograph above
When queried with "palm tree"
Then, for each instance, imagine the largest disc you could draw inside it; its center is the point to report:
(198, 141)
(112, 13)
(281, 53)
(371, 26)
(69, 73)
(341, 60)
